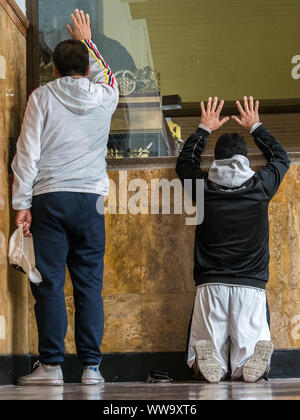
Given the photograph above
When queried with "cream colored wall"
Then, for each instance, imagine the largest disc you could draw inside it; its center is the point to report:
(229, 48)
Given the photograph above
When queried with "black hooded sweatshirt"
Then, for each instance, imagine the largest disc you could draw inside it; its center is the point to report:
(232, 243)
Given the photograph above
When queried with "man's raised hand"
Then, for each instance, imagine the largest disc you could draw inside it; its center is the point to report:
(211, 115)
(81, 26)
(249, 115)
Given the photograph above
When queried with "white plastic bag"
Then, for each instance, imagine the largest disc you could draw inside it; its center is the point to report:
(21, 255)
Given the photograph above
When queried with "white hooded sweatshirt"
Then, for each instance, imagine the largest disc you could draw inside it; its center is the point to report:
(63, 141)
(231, 173)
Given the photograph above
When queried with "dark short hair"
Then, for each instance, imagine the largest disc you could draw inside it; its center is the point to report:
(230, 145)
(71, 58)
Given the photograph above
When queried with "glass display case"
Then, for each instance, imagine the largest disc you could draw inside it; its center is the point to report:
(183, 49)
(138, 128)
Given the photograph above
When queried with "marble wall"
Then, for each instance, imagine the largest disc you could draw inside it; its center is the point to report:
(13, 287)
(284, 287)
(148, 285)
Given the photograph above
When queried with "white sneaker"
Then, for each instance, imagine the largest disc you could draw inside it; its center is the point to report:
(209, 367)
(91, 376)
(258, 366)
(43, 375)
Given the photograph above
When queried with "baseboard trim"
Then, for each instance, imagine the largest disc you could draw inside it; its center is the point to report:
(134, 367)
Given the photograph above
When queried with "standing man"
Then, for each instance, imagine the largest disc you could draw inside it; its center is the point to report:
(59, 177)
(229, 330)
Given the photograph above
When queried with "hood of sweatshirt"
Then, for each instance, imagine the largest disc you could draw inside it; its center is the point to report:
(231, 173)
(78, 95)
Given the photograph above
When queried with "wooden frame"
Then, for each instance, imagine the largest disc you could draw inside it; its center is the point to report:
(16, 15)
(32, 54)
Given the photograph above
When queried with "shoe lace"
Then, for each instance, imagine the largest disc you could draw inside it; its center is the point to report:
(36, 365)
(266, 374)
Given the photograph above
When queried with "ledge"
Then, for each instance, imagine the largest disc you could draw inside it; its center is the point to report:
(256, 159)
(16, 15)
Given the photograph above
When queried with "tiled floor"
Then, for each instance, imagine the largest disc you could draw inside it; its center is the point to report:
(272, 390)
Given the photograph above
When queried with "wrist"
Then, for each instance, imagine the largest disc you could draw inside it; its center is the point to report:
(255, 126)
(204, 127)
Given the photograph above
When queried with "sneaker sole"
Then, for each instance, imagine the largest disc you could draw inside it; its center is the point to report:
(209, 367)
(45, 382)
(258, 364)
(91, 382)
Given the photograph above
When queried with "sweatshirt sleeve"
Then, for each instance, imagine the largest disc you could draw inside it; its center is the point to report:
(189, 160)
(278, 161)
(102, 75)
(27, 157)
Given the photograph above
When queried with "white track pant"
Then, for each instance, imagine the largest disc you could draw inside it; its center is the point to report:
(234, 319)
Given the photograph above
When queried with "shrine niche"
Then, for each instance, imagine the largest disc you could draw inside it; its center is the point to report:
(138, 127)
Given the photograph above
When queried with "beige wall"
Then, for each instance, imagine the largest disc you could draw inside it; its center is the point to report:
(229, 48)
(13, 287)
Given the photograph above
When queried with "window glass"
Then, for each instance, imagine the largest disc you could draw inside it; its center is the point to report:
(138, 129)
(173, 52)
